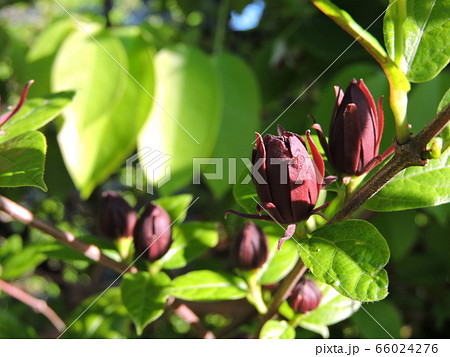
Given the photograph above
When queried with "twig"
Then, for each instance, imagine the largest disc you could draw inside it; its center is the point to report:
(285, 289)
(38, 305)
(192, 319)
(405, 156)
(91, 251)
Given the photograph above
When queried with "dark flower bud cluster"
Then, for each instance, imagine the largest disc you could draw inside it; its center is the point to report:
(288, 179)
(251, 248)
(116, 217)
(153, 233)
(305, 296)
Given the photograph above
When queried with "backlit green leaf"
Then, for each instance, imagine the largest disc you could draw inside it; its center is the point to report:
(110, 108)
(274, 329)
(186, 122)
(418, 39)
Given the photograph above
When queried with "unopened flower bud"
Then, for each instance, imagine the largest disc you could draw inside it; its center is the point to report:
(355, 130)
(305, 296)
(251, 248)
(153, 233)
(286, 179)
(116, 217)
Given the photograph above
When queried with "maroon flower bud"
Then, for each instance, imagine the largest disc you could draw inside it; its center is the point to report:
(305, 296)
(116, 217)
(286, 179)
(355, 130)
(251, 248)
(153, 233)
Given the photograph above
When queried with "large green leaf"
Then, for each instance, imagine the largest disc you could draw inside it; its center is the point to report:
(190, 241)
(144, 297)
(207, 285)
(274, 329)
(42, 53)
(240, 115)
(418, 39)
(415, 187)
(109, 108)
(332, 309)
(35, 113)
(279, 263)
(188, 89)
(22, 161)
(350, 256)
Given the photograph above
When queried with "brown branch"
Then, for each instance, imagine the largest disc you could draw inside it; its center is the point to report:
(38, 305)
(285, 289)
(405, 156)
(192, 319)
(90, 251)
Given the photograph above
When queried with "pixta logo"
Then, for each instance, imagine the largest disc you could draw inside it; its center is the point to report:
(150, 164)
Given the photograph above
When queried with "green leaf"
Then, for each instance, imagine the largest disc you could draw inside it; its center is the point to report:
(350, 256)
(22, 161)
(240, 117)
(416, 35)
(396, 77)
(444, 101)
(415, 187)
(207, 285)
(332, 309)
(35, 113)
(176, 206)
(188, 90)
(110, 108)
(244, 191)
(101, 316)
(279, 263)
(144, 297)
(10, 246)
(190, 241)
(274, 329)
(40, 57)
(21, 263)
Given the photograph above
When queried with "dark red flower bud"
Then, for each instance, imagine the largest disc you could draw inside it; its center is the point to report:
(305, 296)
(355, 130)
(286, 179)
(116, 217)
(251, 248)
(153, 233)
(289, 182)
